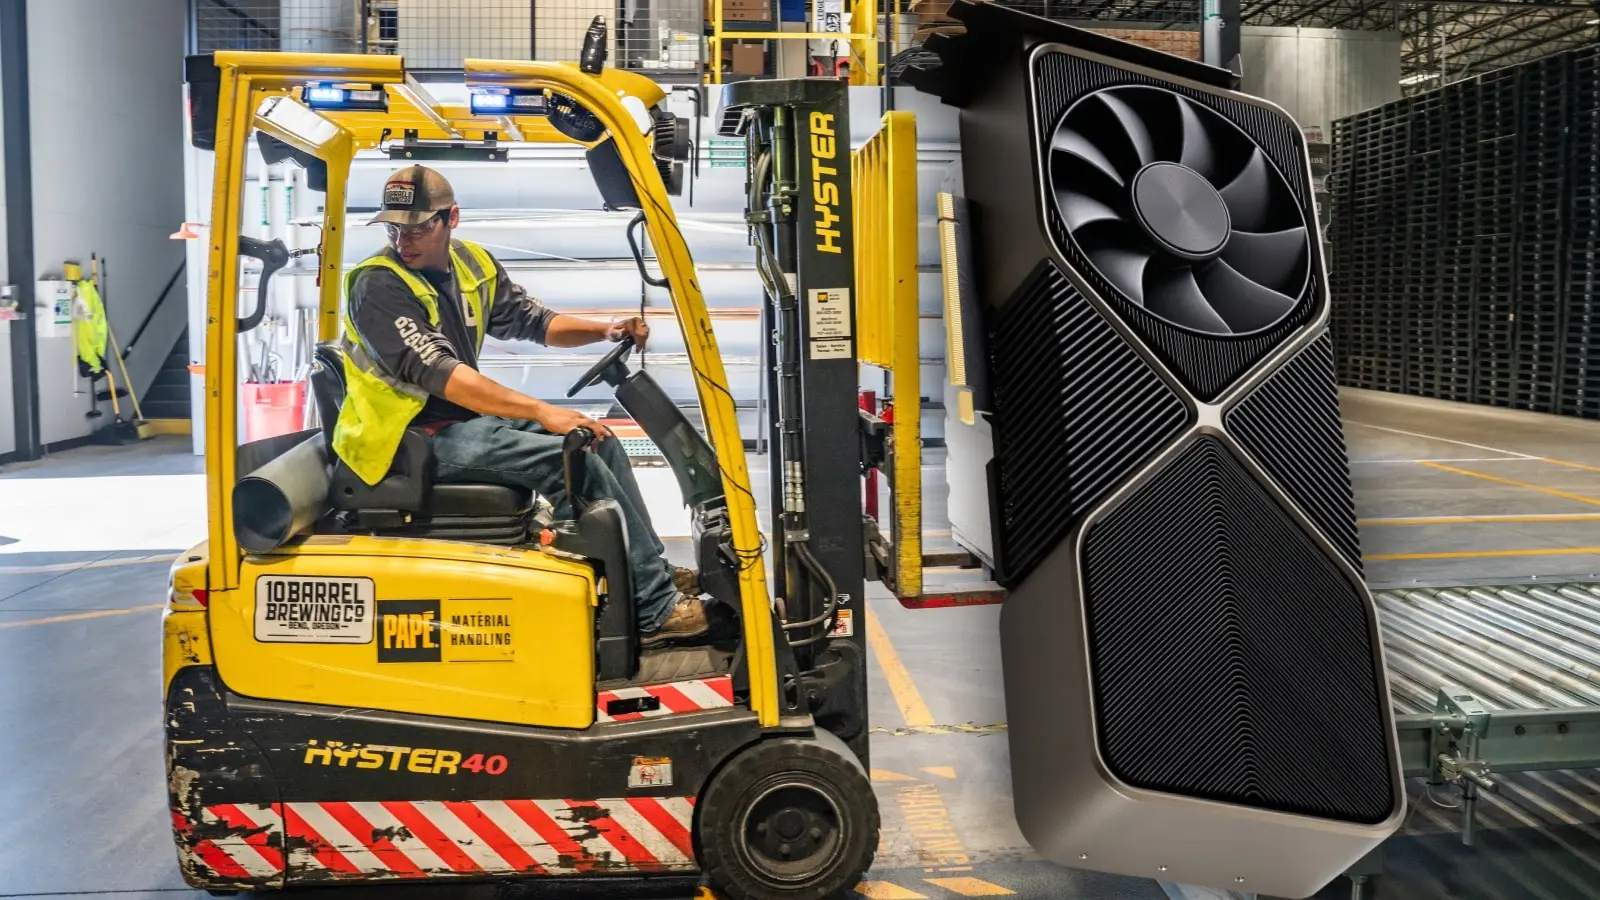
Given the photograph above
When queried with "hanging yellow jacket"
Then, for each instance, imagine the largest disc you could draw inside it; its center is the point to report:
(89, 329)
(378, 407)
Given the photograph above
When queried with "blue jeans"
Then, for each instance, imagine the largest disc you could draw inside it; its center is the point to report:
(520, 453)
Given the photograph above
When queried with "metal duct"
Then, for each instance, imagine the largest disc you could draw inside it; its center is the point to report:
(282, 498)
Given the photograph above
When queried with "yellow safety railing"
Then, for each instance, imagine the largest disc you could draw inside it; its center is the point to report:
(884, 173)
(864, 65)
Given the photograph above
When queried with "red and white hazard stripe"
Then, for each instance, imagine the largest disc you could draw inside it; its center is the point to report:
(675, 697)
(417, 839)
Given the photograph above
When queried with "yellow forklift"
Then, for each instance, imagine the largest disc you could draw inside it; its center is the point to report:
(410, 681)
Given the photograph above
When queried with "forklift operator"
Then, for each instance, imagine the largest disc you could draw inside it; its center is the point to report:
(412, 362)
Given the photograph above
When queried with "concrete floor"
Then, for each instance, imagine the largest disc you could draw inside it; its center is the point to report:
(1446, 495)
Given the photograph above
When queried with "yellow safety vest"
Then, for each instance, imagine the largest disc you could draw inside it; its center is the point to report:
(378, 407)
(89, 328)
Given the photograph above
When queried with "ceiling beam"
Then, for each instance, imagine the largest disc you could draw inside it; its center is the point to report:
(1504, 4)
(1431, 43)
(1360, 12)
(1307, 12)
(1509, 40)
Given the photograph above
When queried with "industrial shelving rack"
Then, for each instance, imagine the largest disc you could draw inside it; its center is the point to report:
(1580, 357)
(1465, 243)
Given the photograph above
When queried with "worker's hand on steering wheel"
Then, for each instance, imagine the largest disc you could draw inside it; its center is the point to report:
(635, 327)
(560, 420)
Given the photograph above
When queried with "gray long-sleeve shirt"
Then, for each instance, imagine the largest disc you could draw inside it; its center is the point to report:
(394, 324)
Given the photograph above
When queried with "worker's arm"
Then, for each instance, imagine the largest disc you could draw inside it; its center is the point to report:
(517, 316)
(472, 389)
(393, 324)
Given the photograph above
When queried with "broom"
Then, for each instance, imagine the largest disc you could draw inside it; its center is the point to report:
(141, 428)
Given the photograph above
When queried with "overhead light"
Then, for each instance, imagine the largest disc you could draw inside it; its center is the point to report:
(1593, 22)
(501, 102)
(1419, 77)
(326, 96)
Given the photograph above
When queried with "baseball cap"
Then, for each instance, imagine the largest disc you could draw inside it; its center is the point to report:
(413, 194)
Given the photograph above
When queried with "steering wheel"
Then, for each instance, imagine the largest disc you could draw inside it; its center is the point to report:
(599, 370)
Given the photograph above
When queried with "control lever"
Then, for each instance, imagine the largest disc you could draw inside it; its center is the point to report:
(274, 256)
(592, 58)
(575, 470)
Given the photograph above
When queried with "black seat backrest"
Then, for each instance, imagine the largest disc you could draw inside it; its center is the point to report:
(327, 386)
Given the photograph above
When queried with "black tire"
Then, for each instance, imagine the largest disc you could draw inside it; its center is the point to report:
(809, 796)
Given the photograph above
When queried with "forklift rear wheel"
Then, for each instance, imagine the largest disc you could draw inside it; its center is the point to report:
(789, 818)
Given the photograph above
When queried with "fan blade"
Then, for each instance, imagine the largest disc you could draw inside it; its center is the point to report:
(1243, 304)
(1082, 209)
(1175, 296)
(1249, 194)
(1068, 141)
(1197, 153)
(1133, 125)
(1276, 259)
(1123, 268)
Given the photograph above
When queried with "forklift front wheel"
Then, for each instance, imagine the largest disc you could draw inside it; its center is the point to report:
(788, 818)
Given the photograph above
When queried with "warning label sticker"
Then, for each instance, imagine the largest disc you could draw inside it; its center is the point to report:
(650, 772)
(844, 625)
(314, 610)
(829, 310)
(834, 348)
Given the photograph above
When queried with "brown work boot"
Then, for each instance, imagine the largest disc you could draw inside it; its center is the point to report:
(687, 581)
(688, 619)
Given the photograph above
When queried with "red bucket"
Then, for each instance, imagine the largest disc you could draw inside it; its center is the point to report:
(274, 409)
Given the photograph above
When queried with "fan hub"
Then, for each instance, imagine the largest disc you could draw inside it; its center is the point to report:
(1180, 209)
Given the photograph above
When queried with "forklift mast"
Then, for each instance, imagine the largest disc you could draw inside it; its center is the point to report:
(797, 140)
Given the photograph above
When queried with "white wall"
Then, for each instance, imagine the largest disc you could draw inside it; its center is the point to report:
(106, 91)
(8, 437)
(1320, 74)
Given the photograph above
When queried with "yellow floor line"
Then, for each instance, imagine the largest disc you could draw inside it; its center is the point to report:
(1521, 484)
(884, 890)
(96, 564)
(1481, 520)
(1472, 554)
(76, 617)
(971, 887)
(886, 775)
(1570, 465)
(904, 689)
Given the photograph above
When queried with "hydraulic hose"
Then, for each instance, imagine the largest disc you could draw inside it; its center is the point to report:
(829, 600)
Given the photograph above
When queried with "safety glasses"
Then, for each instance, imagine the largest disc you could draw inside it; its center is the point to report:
(397, 233)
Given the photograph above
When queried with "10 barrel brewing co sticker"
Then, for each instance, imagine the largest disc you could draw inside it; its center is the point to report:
(306, 609)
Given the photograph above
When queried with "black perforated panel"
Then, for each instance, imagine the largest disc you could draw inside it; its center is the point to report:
(1231, 661)
(1290, 423)
(1207, 364)
(1075, 409)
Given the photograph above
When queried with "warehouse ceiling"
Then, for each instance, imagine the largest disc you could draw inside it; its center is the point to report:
(1459, 38)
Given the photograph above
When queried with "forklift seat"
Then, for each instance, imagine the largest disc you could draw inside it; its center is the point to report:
(407, 502)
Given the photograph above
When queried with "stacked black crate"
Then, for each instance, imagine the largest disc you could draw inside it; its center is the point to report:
(1341, 217)
(1540, 203)
(1457, 258)
(1390, 158)
(1423, 240)
(1494, 323)
(1361, 259)
(1580, 373)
